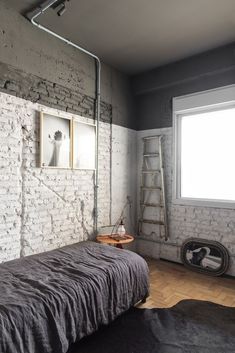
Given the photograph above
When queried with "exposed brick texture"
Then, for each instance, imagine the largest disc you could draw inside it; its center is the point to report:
(42, 208)
(124, 175)
(34, 89)
(186, 221)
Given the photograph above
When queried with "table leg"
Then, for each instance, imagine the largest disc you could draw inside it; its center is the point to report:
(119, 246)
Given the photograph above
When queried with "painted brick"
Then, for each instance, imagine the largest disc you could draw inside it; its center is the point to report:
(41, 208)
(34, 198)
(33, 88)
(187, 221)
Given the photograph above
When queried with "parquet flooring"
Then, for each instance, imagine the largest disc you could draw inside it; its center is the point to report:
(170, 283)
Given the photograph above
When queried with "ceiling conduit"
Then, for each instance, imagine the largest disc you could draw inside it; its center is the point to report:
(32, 16)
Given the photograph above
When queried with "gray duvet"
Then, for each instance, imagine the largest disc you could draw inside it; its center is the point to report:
(51, 300)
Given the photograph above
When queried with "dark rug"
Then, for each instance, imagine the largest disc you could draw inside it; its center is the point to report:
(191, 326)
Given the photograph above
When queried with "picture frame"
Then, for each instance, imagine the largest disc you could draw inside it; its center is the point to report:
(205, 256)
(55, 141)
(84, 145)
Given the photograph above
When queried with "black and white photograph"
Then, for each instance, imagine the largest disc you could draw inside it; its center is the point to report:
(55, 141)
(83, 145)
(205, 257)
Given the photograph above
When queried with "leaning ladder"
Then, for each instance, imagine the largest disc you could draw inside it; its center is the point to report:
(152, 188)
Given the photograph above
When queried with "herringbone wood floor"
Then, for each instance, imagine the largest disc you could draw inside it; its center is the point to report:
(170, 283)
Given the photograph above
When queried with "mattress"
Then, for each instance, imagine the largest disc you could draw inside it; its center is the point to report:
(51, 300)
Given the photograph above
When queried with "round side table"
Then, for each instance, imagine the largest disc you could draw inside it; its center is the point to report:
(111, 240)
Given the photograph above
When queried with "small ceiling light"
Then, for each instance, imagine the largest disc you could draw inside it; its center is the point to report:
(61, 10)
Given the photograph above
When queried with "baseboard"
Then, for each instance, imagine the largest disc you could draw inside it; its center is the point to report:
(179, 263)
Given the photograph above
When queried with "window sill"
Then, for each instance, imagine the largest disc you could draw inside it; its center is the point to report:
(203, 203)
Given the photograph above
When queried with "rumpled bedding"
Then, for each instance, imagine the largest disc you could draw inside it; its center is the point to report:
(51, 300)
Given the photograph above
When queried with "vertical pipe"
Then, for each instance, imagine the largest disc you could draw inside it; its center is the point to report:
(32, 16)
(97, 113)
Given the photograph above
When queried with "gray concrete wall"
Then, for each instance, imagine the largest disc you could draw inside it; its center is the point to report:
(155, 89)
(35, 52)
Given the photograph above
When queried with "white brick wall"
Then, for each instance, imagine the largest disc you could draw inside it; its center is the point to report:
(186, 221)
(104, 193)
(42, 209)
(124, 175)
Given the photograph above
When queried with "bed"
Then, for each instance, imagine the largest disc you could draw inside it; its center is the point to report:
(51, 300)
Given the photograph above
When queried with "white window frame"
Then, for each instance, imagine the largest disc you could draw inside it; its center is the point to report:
(215, 99)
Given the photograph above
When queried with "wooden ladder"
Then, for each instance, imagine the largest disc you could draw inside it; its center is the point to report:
(152, 189)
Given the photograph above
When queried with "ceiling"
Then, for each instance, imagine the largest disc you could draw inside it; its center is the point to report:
(137, 35)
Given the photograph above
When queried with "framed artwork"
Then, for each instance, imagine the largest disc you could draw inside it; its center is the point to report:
(56, 141)
(84, 145)
(205, 256)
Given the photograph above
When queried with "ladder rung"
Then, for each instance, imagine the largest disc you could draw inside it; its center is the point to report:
(147, 204)
(151, 188)
(151, 154)
(152, 221)
(151, 171)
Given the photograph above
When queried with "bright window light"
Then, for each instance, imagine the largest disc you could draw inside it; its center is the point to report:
(207, 155)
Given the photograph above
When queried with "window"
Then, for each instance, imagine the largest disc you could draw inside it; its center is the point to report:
(204, 131)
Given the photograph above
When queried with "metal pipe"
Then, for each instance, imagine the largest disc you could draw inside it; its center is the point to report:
(32, 16)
